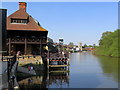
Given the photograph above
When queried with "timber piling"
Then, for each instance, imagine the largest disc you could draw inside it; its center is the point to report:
(58, 64)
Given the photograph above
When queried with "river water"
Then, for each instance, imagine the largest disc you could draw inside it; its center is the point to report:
(86, 71)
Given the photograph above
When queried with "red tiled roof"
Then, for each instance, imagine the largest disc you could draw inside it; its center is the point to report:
(32, 25)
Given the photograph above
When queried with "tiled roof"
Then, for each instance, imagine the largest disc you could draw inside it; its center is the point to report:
(32, 25)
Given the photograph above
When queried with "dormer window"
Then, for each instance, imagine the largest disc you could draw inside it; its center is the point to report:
(19, 21)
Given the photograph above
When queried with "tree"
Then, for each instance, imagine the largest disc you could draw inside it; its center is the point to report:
(104, 35)
(108, 44)
(85, 45)
(71, 44)
(90, 46)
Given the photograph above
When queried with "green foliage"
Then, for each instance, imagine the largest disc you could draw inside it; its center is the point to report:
(71, 44)
(85, 45)
(109, 44)
(90, 46)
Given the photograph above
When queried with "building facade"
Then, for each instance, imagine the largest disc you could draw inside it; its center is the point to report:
(80, 46)
(24, 33)
(61, 41)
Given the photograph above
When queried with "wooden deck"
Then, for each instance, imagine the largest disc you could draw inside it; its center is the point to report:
(58, 65)
(59, 71)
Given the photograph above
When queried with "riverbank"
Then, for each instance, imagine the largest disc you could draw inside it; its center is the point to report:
(99, 52)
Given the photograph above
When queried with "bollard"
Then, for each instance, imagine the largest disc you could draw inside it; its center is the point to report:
(33, 56)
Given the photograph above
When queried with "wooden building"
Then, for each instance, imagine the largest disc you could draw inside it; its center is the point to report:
(24, 33)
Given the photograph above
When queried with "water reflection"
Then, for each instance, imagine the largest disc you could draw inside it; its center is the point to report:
(86, 71)
(109, 67)
(90, 71)
(58, 80)
(48, 80)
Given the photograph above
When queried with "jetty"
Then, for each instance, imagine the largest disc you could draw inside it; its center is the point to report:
(58, 62)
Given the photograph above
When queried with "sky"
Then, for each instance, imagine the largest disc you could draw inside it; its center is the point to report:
(73, 21)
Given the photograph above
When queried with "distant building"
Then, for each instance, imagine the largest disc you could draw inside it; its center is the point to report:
(61, 41)
(80, 46)
(49, 40)
(24, 33)
(77, 49)
(89, 48)
(52, 46)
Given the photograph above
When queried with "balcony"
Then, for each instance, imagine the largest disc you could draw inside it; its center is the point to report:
(21, 40)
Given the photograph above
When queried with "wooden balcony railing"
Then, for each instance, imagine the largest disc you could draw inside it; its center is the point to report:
(29, 40)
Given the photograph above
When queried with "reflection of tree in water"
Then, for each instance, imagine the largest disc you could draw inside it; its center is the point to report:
(44, 81)
(110, 66)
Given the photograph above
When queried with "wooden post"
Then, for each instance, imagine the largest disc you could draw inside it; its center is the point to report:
(68, 64)
(25, 44)
(9, 45)
(3, 13)
(48, 58)
(48, 64)
(8, 71)
(40, 45)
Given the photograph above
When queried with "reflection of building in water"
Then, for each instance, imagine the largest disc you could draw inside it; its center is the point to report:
(33, 82)
(58, 80)
(46, 81)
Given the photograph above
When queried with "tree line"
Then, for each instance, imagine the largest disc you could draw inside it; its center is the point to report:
(109, 44)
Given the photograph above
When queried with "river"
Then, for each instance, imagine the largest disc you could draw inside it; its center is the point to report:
(86, 71)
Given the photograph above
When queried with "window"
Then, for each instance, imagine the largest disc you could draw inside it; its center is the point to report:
(19, 21)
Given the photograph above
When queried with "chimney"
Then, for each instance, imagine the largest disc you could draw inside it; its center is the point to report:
(22, 5)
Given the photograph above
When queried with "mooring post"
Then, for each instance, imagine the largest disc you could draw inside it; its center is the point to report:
(68, 64)
(48, 58)
(48, 64)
